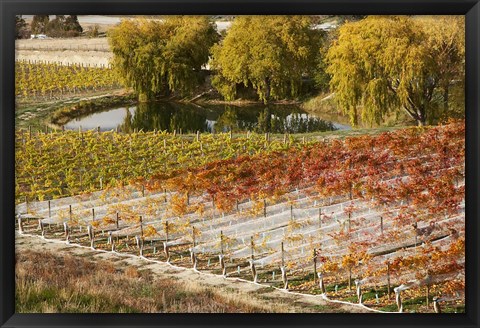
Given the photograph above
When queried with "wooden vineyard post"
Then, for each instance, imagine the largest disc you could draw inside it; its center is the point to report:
(319, 217)
(427, 287)
(93, 214)
(264, 208)
(350, 277)
(141, 226)
(165, 195)
(70, 212)
(192, 250)
(92, 243)
(388, 280)
(198, 136)
(349, 221)
(381, 225)
(398, 299)
(231, 135)
(91, 234)
(113, 244)
(193, 237)
(165, 244)
(20, 224)
(221, 256)
(116, 219)
(236, 201)
(41, 227)
(358, 286)
(26, 204)
(416, 238)
(436, 305)
(321, 284)
(67, 232)
(49, 210)
(284, 270)
(351, 183)
(315, 266)
(110, 238)
(291, 212)
(252, 260)
(303, 140)
(141, 248)
(143, 190)
(221, 242)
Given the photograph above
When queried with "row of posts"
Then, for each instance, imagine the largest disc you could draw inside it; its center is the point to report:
(91, 236)
(319, 275)
(197, 138)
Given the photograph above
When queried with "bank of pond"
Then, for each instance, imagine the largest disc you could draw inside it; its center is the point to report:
(189, 118)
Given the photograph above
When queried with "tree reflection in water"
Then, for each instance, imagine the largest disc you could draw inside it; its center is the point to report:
(166, 116)
(189, 118)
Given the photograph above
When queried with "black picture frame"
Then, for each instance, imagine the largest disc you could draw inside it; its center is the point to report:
(8, 9)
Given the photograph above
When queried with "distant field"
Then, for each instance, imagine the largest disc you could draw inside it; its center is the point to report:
(83, 51)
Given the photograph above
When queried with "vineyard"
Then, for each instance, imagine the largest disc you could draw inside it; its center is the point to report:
(377, 220)
(93, 161)
(48, 80)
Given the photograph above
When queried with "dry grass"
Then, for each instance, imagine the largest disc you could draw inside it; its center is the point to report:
(46, 283)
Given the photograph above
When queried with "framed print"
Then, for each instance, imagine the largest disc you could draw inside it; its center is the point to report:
(249, 163)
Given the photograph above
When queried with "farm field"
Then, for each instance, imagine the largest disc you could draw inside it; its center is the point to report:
(377, 220)
(71, 51)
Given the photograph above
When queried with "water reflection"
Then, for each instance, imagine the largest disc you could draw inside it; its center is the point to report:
(293, 122)
(165, 116)
(189, 118)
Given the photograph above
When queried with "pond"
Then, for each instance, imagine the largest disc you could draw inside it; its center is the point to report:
(189, 118)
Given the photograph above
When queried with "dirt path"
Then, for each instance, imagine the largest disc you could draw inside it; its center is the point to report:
(291, 302)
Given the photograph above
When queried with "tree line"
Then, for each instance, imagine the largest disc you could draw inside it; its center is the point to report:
(60, 26)
(375, 66)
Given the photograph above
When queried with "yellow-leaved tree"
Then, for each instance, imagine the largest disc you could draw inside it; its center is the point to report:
(383, 64)
(270, 54)
(158, 57)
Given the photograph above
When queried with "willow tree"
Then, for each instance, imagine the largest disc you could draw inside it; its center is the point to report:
(382, 64)
(445, 39)
(271, 54)
(157, 58)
